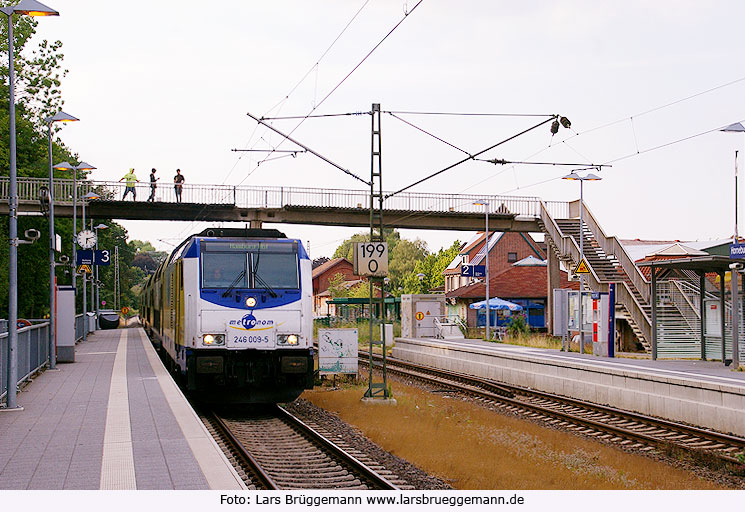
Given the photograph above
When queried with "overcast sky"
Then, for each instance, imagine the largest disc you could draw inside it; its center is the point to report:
(167, 84)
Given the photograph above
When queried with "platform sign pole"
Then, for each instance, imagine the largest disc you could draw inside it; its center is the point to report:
(582, 258)
(735, 320)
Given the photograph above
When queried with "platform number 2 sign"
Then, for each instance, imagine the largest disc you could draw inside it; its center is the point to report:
(371, 259)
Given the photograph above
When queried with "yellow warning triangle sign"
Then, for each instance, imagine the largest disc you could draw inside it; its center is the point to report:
(582, 268)
(84, 269)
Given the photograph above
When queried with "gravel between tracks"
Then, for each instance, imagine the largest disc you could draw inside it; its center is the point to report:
(404, 469)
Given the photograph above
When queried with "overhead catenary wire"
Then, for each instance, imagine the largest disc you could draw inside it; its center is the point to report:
(428, 133)
(286, 96)
(306, 148)
(470, 157)
(671, 143)
(339, 84)
(313, 116)
(660, 107)
(474, 114)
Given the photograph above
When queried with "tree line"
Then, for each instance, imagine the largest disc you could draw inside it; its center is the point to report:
(412, 268)
(38, 78)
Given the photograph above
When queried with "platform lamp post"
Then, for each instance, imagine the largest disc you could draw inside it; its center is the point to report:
(87, 197)
(735, 128)
(95, 267)
(485, 203)
(30, 8)
(82, 166)
(589, 177)
(66, 166)
(60, 117)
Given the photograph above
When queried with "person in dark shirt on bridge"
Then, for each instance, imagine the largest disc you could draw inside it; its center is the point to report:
(153, 179)
(178, 184)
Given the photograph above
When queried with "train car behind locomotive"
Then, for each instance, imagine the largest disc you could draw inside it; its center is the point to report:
(230, 311)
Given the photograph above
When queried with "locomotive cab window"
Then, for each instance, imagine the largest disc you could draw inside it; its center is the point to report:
(249, 264)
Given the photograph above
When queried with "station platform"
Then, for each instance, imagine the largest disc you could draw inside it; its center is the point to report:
(114, 419)
(703, 393)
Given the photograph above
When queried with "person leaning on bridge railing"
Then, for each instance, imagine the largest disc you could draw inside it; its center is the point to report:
(130, 179)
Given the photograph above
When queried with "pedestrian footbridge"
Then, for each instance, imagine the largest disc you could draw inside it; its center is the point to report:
(606, 257)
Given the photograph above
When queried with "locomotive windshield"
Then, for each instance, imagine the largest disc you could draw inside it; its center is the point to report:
(250, 264)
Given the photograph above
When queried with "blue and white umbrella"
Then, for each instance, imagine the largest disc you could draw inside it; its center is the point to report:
(496, 303)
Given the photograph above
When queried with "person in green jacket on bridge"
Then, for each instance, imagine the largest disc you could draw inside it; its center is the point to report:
(130, 180)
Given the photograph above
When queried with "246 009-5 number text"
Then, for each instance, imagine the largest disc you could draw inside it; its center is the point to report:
(251, 339)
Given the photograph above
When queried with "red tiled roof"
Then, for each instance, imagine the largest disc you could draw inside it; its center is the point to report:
(320, 269)
(647, 271)
(515, 282)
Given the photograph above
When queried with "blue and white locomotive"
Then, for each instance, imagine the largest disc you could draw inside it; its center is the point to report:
(231, 312)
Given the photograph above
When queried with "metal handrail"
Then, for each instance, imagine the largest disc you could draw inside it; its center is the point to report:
(283, 197)
(612, 246)
(638, 315)
(568, 244)
(28, 360)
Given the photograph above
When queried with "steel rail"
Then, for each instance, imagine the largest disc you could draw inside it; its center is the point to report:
(358, 466)
(358, 469)
(651, 440)
(264, 479)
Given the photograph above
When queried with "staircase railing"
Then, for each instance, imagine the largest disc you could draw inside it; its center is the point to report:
(625, 297)
(684, 305)
(566, 244)
(611, 245)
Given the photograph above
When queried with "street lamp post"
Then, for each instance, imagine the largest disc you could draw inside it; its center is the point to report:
(30, 8)
(82, 166)
(87, 197)
(590, 177)
(485, 203)
(58, 117)
(98, 285)
(735, 128)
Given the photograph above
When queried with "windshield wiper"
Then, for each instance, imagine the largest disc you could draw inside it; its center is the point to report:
(263, 284)
(258, 278)
(234, 283)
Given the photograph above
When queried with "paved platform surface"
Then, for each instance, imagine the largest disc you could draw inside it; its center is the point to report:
(114, 419)
(704, 371)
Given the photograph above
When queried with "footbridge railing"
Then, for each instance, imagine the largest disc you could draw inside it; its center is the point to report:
(247, 196)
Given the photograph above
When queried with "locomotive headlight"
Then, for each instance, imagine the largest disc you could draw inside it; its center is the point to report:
(213, 339)
(287, 339)
(251, 302)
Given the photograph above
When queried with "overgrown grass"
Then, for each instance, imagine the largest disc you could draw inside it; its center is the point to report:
(474, 448)
(536, 340)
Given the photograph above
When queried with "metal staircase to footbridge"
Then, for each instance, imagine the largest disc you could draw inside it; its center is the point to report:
(609, 263)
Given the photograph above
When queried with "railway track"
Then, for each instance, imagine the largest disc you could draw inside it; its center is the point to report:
(608, 423)
(273, 449)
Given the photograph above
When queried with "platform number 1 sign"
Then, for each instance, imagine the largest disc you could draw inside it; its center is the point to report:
(371, 259)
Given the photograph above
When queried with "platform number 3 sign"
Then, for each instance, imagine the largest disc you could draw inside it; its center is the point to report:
(371, 259)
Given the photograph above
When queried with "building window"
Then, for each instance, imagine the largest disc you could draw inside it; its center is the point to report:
(511, 257)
